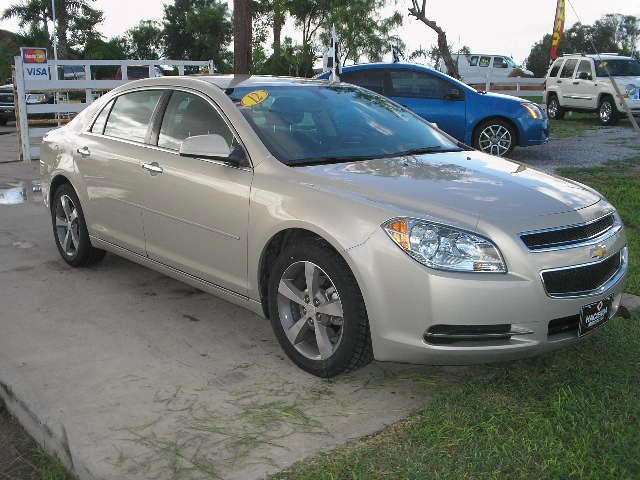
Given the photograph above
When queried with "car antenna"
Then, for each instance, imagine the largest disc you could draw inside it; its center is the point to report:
(616, 88)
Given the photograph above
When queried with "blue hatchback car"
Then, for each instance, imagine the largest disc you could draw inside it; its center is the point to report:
(490, 122)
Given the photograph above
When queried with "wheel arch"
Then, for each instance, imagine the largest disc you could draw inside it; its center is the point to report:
(479, 123)
(276, 244)
(58, 180)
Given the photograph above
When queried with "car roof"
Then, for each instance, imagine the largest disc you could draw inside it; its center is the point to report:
(596, 56)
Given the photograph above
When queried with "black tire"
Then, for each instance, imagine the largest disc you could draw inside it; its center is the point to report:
(354, 349)
(607, 111)
(554, 110)
(83, 254)
(479, 139)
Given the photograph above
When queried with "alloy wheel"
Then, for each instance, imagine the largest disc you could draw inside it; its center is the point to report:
(495, 140)
(606, 111)
(67, 226)
(310, 310)
(552, 108)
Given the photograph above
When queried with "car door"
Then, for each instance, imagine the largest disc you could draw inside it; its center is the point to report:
(108, 159)
(196, 210)
(583, 86)
(431, 97)
(565, 83)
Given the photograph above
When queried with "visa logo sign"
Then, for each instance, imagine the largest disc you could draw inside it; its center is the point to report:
(37, 71)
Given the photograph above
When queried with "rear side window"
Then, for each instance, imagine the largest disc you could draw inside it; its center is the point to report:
(499, 62)
(474, 61)
(555, 68)
(584, 67)
(370, 79)
(569, 67)
(406, 83)
(101, 119)
(131, 115)
(188, 115)
(485, 61)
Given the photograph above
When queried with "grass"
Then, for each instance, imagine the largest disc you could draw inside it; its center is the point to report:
(573, 124)
(573, 414)
(619, 182)
(21, 458)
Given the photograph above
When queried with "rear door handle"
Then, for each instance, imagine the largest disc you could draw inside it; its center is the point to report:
(558, 81)
(576, 83)
(153, 168)
(84, 151)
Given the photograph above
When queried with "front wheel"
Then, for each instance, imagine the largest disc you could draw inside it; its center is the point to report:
(70, 229)
(317, 310)
(554, 110)
(495, 137)
(607, 112)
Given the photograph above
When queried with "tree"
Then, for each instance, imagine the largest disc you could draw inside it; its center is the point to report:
(611, 33)
(242, 36)
(76, 21)
(144, 41)
(360, 30)
(198, 30)
(274, 13)
(420, 13)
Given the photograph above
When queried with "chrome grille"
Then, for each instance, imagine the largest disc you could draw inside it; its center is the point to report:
(581, 279)
(567, 236)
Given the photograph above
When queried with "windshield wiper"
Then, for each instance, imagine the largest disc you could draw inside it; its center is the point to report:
(423, 150)
(359, 158)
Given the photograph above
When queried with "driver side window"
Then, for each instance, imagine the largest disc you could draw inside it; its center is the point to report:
(188, 115)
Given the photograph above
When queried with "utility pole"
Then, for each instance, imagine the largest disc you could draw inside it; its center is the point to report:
(242, 36)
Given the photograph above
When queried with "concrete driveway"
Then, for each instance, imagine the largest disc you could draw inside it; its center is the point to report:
(126, 373)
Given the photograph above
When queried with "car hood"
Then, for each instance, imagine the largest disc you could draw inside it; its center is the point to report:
(469, 182)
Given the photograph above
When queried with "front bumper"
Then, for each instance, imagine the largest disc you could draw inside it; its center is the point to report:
(534, 132)
(404, 299)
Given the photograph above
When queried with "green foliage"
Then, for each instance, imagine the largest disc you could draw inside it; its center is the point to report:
(612, 33)
(198, 30)
(98, 49)
(144, 41)
(361, 31)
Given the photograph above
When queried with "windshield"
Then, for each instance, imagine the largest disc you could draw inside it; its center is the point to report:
(317, 123)
(618, 68)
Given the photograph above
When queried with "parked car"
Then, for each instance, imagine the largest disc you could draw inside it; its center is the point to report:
(581, 83)
(491, 122)
(356, 227)
(476, 67)
(7, 105)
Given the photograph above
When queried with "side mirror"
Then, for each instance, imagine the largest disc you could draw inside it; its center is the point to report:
(213, 147)
(585, 76)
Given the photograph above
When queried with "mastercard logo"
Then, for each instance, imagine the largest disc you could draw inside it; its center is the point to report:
(34, 55)
(254, 98)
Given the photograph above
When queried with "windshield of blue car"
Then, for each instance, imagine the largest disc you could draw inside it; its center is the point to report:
(618, 68)
(320, 123)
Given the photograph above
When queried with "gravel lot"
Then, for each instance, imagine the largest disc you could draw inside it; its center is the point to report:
(591, 147)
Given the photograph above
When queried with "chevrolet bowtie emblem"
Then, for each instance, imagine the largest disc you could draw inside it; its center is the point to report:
(599, 251)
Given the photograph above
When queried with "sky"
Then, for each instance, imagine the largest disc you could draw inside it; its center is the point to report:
(507, 27)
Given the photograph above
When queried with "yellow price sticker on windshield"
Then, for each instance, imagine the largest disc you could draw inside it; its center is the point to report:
(254, 98)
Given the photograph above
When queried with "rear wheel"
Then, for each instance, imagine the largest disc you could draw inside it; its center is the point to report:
(607, 111)
(70, 229)
(317, 310)
(554, 110)
(495, 137)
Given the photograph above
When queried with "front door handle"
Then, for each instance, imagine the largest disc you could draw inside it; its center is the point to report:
(576, 83)
(153, 168)
(84, 151)
(558, 81)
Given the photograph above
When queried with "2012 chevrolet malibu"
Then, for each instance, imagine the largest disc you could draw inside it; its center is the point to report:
(358, 228)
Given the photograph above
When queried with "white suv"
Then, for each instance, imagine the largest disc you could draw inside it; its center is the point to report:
(581, 83)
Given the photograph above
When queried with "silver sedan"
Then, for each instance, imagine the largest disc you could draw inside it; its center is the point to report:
(359, 229)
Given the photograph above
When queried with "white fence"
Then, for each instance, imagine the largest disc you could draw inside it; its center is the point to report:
(90, 87)
(518, 86)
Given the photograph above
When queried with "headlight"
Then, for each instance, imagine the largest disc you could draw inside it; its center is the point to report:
(631, 90)
(36, 98)
(533, 110)
(443, 247)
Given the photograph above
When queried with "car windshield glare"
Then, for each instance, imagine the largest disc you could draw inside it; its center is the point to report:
(317, 123)
(618, 68)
